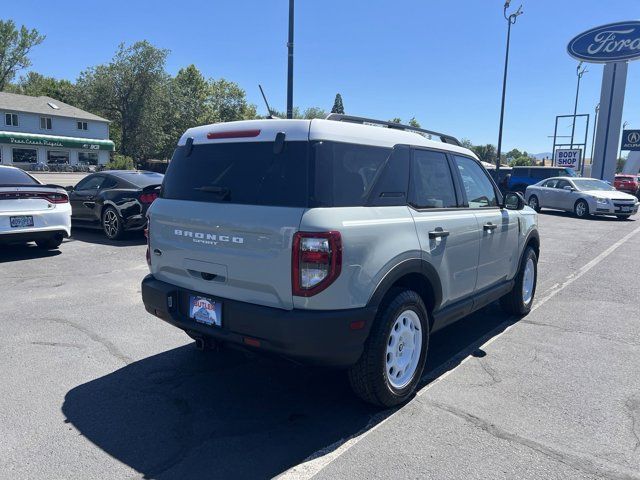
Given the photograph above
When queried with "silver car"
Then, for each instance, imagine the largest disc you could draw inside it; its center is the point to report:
(582, 196)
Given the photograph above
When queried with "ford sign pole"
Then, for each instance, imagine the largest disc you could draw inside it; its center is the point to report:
(511, 20)
(614, 45)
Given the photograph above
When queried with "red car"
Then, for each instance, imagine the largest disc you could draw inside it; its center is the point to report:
(626, 183)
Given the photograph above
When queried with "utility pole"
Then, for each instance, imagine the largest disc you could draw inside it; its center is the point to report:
(290, 64)
(511, 20)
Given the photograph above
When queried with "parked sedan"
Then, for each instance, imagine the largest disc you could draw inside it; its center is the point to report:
(627, 183)
(583, 196)
(114, 201)
(31, 211)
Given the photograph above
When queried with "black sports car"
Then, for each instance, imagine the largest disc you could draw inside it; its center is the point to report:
(114, 200)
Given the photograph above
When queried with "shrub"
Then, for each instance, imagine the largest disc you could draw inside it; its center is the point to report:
(120, 162)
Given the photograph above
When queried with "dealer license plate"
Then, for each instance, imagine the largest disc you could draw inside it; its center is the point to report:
(21, 221)
(625, 209)
(205, 310)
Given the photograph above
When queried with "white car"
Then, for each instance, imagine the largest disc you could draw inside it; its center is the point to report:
(31, 211)
(582, 196)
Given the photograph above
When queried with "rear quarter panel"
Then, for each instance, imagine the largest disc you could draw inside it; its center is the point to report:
(374, 240)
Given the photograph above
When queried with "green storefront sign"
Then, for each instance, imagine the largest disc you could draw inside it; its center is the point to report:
(50, 141)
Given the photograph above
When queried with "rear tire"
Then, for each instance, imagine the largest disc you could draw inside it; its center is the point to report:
(520, 299)
(395, 351)
(50, 243)
(534, 203)
(581, 209)
(112, 224)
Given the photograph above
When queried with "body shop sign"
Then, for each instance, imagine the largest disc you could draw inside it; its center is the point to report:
(615, 42)
(567, 158)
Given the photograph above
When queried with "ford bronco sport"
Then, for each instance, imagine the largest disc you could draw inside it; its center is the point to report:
(342, 242)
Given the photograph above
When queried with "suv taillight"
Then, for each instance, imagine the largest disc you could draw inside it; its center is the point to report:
(316, 261)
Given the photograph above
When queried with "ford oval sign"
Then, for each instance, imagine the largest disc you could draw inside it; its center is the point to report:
(616, 42)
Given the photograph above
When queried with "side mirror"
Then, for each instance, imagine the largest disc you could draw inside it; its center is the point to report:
(569, 189)
(69, 188)
(514, 201)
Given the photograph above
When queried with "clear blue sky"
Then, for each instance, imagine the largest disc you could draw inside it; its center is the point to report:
(438, 60)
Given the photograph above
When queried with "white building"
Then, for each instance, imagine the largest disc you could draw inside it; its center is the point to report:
(45, 130)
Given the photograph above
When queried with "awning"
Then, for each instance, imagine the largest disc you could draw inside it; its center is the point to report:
(52, 141)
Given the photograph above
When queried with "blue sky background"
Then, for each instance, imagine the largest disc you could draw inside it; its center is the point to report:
(438, 60)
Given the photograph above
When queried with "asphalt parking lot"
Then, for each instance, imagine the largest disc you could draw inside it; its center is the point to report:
(93, 387)
(64, 179)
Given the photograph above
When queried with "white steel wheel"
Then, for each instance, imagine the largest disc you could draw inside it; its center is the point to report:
(528, 281)
(404, 347)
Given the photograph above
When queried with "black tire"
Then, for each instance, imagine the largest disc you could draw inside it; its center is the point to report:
(514, 302)
(112, 224)
(534, 199)
(579, 211)
(368, 377)
(50, 243)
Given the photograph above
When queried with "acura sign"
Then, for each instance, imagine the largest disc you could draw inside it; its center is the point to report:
(631, 140)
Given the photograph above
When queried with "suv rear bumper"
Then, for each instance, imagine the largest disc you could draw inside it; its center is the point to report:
(320, 337)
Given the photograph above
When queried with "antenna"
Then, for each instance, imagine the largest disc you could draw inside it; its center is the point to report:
(264, 97)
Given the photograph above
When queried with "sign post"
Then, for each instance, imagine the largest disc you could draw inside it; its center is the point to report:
(614, 45)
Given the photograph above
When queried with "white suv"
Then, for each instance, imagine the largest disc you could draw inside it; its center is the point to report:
(334, 242)
(31, 211)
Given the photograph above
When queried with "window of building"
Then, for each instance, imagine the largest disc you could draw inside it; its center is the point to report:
(45, 123)
(11, 119)
(25, 155)
(480, 191)
(89, 158)
(431, 183)
(83, 126)
(57, 156)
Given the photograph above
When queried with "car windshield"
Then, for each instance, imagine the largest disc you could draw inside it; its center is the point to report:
(591, 184)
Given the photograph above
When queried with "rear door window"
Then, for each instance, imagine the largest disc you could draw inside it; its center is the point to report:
(431, 184)
(242, 173)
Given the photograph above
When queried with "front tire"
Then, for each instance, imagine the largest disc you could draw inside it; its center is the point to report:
(50, 243)
(581, 209)
(395, 352)
(112, 224)
(534, 203)
(520, 299)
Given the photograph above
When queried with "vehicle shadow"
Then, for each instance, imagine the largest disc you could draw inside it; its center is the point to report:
(88, 235)
(24, 251)
(190, 414)
(591, 218)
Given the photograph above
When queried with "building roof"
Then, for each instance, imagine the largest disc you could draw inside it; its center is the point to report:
(42, 106)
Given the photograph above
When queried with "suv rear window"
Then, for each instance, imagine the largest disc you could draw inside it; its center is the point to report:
(245, 173)
(304, 174)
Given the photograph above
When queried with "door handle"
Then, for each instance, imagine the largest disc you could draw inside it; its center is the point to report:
(438, 233)
(489, 226)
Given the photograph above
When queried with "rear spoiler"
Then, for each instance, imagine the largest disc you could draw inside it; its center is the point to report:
(151, 188)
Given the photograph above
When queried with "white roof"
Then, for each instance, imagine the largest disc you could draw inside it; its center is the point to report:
(317, 129)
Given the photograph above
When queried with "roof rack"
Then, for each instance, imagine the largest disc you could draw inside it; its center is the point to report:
(339, 117)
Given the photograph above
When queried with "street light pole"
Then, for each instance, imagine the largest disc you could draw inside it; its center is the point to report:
(593, 136)
(580, 72)
(290, 64)
(511, 20)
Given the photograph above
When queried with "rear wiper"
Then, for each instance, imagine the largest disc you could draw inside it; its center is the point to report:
(224, 192)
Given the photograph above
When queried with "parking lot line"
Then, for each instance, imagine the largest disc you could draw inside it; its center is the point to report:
(325, 456)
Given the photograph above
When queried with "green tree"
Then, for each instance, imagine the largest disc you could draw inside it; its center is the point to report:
(396, 120)
(338, 107)
(227, 102)
(37, 85)
(513, 154)
(486, 153)
(131, 91)
(414, 123)
(466, 143)
(620, 164)
(314, 112)
(15, 46)
(522, 161)
(120, 162)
